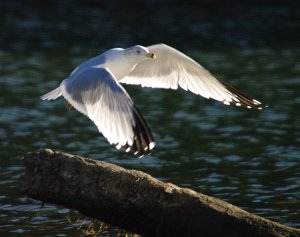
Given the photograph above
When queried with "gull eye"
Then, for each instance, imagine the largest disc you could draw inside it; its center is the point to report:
(138, 52)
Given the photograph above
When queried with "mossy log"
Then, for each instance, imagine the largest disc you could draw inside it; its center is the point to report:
(136, 201)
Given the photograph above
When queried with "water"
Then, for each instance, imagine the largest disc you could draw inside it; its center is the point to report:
(246, 157)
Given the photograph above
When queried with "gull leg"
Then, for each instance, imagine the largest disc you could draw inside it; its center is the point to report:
(69, 106)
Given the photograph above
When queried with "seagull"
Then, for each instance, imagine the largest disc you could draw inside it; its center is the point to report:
(94, 89)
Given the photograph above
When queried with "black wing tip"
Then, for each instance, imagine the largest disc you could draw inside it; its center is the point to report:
(137, 149)
(140, 151)
(240, 99)
(143, 141)
(249, 104)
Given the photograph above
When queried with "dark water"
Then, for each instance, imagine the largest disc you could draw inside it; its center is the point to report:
(246, 157)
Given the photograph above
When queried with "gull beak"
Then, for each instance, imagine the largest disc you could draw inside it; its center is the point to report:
(150, 55)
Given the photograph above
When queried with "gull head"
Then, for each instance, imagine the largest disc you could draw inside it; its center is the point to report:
(139, 53)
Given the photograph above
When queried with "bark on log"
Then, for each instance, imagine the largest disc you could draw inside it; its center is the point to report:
(136, 201)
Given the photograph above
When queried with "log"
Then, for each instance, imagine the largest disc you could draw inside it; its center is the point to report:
(136, 201)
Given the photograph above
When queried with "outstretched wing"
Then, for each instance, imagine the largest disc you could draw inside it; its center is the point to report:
(96, 93)
(171, 69)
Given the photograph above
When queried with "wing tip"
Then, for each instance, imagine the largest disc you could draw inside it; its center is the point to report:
(249, 104)
(239, 99)
(137, 148)
(143, 142)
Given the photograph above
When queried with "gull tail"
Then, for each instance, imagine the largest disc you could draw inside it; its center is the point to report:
(52, 95)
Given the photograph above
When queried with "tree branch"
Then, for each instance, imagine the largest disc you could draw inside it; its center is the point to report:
(136, 201)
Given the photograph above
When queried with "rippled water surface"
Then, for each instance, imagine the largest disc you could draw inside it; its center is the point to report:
(249, 158)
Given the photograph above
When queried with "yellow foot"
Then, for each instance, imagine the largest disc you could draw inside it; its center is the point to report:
(69, 106)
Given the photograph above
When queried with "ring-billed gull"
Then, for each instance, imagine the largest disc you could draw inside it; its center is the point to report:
(94, 89)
